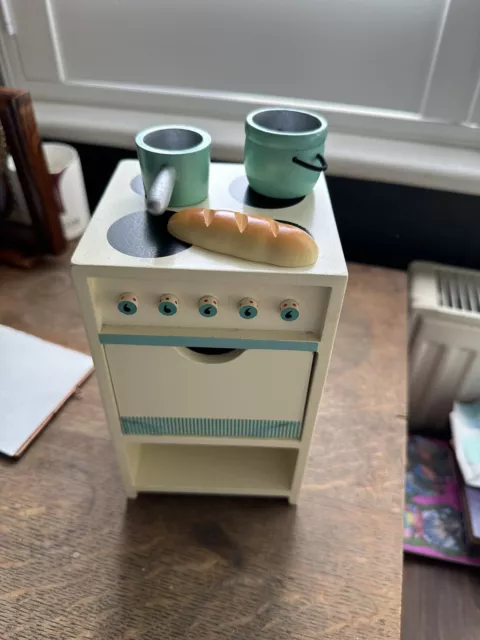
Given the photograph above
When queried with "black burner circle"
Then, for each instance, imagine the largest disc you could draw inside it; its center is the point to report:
(294, 224)
(243, 193)
(142, 235)
(136, 185)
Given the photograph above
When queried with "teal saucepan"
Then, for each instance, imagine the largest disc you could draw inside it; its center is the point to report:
(175, 166)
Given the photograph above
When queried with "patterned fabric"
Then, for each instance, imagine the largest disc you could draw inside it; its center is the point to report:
(222, 427)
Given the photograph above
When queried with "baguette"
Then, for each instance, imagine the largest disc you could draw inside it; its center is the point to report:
(244, 236)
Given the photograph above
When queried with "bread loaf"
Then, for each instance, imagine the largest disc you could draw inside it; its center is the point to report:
(243, 236)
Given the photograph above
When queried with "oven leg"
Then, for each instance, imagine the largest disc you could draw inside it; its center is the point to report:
(293, 498)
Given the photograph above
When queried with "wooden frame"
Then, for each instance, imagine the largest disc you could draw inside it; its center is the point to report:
(22, 137)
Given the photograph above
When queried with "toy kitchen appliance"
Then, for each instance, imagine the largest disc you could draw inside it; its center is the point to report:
(211, 368)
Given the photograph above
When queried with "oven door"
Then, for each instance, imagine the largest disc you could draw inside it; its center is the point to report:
(211, 392)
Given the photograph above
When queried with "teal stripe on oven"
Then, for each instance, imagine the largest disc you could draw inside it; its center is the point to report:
(195, 341)
(219, 427)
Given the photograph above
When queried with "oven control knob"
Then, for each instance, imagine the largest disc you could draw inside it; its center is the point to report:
(208, 306)
(248, 308)
(128, 304)
(168, 305)
(289, 310)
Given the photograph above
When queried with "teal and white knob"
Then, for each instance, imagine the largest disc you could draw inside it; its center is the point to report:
(128, 304)
(168, 304)
(208, 306)
(248, 308)
(289, 310)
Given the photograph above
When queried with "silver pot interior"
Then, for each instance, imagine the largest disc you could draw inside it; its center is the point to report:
(286, 121)
(173, 139)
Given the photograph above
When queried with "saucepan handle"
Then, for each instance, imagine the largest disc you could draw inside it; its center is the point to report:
(158, 198)
(306, 165)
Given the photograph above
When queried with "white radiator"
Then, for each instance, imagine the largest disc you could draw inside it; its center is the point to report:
(444, 342)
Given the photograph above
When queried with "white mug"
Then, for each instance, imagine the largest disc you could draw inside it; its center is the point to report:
(65, 170)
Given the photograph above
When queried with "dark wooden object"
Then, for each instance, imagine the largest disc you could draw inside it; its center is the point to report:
(79, 561)
(441, 601)
(22, 137)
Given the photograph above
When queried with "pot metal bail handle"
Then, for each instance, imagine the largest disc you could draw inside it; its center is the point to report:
(323, 163)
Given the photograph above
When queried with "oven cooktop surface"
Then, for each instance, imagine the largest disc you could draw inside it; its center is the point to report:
(122, 234)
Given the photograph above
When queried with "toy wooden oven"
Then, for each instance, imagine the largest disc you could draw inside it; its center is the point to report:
(210, 368)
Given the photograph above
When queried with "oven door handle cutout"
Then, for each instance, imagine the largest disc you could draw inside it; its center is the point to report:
(209, 355)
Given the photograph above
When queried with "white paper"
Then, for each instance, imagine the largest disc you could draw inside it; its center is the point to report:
(35, 379)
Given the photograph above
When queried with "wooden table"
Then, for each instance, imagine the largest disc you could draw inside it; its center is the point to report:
(79, 561)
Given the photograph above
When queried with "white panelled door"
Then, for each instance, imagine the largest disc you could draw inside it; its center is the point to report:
(367, 64)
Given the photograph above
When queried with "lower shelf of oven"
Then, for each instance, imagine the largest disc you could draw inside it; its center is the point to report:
(182, 468)
(215, 441)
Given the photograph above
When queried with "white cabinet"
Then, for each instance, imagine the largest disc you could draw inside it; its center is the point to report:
(208, 407)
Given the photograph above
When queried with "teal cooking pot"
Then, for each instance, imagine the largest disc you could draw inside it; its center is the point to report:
(284, 151)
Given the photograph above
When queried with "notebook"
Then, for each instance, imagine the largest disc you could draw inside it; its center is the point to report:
(433, 518)
(36, 378)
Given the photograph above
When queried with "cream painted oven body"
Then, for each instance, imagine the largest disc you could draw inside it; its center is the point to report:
(207, 386)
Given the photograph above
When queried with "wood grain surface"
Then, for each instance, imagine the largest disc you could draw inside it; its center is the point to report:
(77, 560)
(440, 601)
